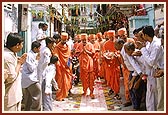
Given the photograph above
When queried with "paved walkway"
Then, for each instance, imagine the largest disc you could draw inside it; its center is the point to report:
(77, 102)
(97, 104)
(102, 102)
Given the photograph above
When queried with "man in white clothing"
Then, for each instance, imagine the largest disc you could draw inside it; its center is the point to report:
(70, 42)
(160, 75)
(45, 55)
(136, 84)
(135, 70)
(30, 82)
(12, 77)
(150, 56)
(41, 35)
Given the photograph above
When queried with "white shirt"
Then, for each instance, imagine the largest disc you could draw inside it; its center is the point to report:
(48, 75)
(150, 55)
(45, 55)
(131, 63)
(141, 63)
(160, 63)
(13, 88)
(40, 35)
(10, 63)
(70, 43)
(29, 70)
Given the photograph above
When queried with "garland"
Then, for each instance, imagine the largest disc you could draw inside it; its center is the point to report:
(75, 20)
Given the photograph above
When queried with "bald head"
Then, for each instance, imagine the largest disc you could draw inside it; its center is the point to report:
(119, 44)
(129, 48)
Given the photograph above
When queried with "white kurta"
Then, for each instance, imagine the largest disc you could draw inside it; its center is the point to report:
(150, 56)
(40, 35)
(48, 75)
(160, 82)
(13, 88)
(70, 43)
(45, 55)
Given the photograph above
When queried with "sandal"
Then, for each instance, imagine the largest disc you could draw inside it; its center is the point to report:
(110, 92)
(117, 97)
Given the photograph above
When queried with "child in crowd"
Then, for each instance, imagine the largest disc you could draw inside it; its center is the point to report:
(48, 75)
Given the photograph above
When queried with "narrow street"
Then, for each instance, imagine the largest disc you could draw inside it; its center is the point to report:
(58, 42)
(102, 102)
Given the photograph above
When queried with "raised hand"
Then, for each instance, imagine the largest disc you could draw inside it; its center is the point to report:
(22, 59)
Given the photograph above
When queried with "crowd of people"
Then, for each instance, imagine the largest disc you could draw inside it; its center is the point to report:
(59, 62)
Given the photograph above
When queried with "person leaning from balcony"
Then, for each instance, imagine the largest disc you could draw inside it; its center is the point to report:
(112, 63)
(12, 78)
(85, 52)
(64, 67)
(30, 82)
(41, 34)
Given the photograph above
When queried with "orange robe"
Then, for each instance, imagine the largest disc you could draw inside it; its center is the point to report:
(86, 67)
(102, 61)
(96, 63)
(112, 68)
(126, 73)
(75, 45)
(63, 71)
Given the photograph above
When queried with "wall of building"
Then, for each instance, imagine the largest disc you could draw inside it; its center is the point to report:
(136, 22)
(10, 19)
(35, 21)
(151, 15)
(159, 15)
(139, 21)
